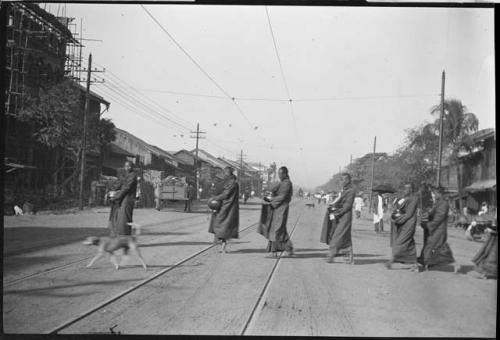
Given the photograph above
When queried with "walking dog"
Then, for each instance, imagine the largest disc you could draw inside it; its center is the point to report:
(110, 245)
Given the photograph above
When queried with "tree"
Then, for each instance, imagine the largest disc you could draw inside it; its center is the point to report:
(56, 115)
(458, 124)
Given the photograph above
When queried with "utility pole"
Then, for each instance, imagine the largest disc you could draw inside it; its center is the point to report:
(196, 163)
(240, 174)
(259, 188)
(84, 139)
(441, 117)
(373, 172)
(350, 164)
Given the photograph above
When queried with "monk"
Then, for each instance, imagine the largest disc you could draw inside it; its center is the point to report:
(224, 223)
(274, 216)
(122, 204)
(436, 250)
(338, 223)
(403, 224)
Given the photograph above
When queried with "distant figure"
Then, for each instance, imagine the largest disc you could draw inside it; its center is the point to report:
(486, 259)
(28, 208)
(224, 223)
(122, 204)
(436, 250)
(338, 236)
(358, 205)
(404, 221)
(378, 213)
(274, 216)
(483, 210)
(18, 211)
(190, 193)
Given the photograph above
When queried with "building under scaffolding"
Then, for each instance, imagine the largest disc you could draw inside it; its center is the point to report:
(41, 51)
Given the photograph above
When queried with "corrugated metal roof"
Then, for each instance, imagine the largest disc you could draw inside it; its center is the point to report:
(118, 150)
(488, 184)
(483, 134)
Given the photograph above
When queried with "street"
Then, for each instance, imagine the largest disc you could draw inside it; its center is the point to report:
(191, 288)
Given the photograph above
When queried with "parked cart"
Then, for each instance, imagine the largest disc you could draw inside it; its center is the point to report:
(170, 189)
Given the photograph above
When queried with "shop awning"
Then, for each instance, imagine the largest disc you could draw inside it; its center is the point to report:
(489, 184)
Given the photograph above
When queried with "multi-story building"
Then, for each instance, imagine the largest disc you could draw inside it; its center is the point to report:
(36, 54)
(477, 169)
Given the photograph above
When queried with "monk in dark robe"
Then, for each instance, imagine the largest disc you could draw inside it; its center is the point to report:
(122, 204)
(338, 223)
(436, 250)
(486, 260)
(403, 223)
(274, 216)
(225, 222)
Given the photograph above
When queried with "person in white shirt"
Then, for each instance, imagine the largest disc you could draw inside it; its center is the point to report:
(358, 204)
(378, 213)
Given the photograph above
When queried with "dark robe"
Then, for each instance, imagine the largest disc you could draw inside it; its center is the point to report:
(224, 223)
(403, 232)
(122, 206)
(486, 260)
(436, 249)
(274, 217)
(337, 233)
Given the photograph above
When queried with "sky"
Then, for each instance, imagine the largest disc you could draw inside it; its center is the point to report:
(352, 73)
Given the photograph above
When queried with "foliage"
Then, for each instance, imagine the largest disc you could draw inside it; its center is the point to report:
(56, 117)
(416, 160)
(52, 114)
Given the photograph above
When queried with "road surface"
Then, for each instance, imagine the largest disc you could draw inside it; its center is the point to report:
(191, 288)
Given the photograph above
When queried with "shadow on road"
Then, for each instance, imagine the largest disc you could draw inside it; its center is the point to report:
(249, 208)
(181, 243)
(249, 251)
(368, 261)
(46, 291)
(25, 239)
(164, 233)
(19, 262)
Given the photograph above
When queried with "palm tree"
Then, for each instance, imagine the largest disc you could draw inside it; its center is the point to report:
(458, 125)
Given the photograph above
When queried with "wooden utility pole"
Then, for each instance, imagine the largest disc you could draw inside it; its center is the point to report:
(240, 173)
(440, 147)
(373, 173)
(84, 139)
(196, 163)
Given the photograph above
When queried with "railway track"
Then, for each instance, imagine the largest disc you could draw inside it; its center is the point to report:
(262, 296)
(247, 325)
(66, 240)
(86, 258)
(124, 293)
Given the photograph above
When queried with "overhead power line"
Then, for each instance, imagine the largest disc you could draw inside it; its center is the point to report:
(200, 68)
(299, 143)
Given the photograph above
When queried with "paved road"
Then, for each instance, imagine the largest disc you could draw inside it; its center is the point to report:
(242, 292)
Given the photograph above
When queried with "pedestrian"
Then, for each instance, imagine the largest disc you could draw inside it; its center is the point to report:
(224, 223)
(358, 205)
(378, 213)
(436, 250)
(339, 239)
(483, 210)
(190, 192)
(123, 202)
(274, 216)
(403, 223)
(486, 259)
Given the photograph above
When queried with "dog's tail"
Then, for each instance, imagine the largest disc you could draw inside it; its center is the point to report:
(136, 226)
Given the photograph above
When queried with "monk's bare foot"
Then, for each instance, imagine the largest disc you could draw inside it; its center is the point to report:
(456, 267)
